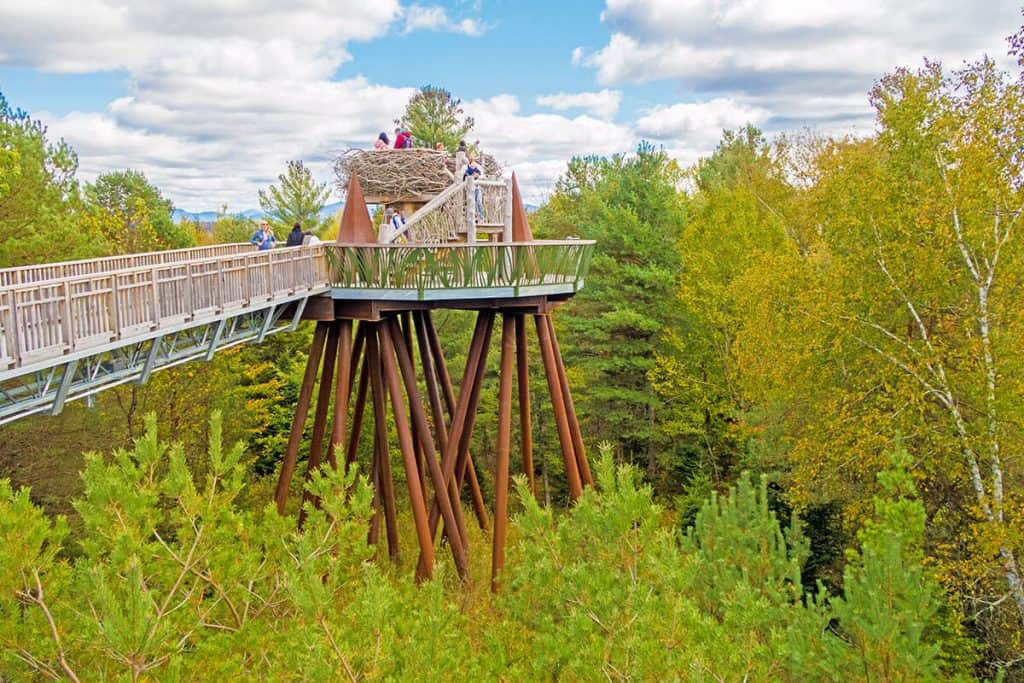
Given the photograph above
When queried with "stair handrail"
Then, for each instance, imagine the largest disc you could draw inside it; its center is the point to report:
(389, 233)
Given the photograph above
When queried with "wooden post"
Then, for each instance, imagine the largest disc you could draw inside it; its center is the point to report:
(504, 445)
(291, 452)
(506, 233)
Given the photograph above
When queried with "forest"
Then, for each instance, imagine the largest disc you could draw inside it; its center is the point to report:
(798, 369)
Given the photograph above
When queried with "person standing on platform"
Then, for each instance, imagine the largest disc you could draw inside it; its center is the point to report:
(382, 142)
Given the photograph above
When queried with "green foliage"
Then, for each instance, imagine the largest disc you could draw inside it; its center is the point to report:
(132, 214)
(39, 196)
(297, 198)
(889, 599)
(231, 229)
(432, 115)
(180, 579)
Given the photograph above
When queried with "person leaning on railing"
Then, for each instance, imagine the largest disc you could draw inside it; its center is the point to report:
(263, 238)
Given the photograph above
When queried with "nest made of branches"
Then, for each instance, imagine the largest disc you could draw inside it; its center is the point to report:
(401, 173)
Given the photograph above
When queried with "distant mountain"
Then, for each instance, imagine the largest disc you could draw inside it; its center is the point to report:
(180, 215)
(329, 210)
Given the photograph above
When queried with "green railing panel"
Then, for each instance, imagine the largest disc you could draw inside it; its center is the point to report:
(459, 266)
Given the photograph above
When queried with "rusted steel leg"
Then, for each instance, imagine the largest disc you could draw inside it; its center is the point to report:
(323, 401)
(431, 382)
(504, 446)
(381, 452)
(352, 450)
(463, 410)
(525, 420)
(449, 395)
(419, 510)
(419, 420)
(572, 472)
(291, 452)
(403, 329)
(464, 463)
(437, 411)
(570, 410)
(476, 496)
(373, 535)
(342, 390)
(453, 524)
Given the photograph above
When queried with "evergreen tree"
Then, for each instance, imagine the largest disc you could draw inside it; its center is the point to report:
(297, 199)
(432, 115)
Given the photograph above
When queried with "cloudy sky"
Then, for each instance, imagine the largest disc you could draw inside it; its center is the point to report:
(211, 98)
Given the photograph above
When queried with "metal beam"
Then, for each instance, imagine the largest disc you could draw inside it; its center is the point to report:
(147, 368)
(216, 339)
(64, 388)
(299, 308)
(267, 322)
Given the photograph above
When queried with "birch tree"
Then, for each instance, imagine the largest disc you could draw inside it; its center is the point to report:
(905, 315)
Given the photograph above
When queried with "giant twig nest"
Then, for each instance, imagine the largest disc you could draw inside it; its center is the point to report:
(401, 173)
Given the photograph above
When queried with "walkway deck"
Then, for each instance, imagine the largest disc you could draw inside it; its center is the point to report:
(70, 330)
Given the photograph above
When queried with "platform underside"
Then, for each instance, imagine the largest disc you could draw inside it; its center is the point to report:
(338, 305)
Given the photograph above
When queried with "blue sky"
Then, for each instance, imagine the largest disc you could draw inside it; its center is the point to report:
(211, 98)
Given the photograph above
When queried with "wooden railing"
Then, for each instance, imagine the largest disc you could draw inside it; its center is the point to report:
(53, 317)
(460, 266)
(58, 271)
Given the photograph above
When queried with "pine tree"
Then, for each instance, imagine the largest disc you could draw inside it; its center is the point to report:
(297, 199)
(432, 115)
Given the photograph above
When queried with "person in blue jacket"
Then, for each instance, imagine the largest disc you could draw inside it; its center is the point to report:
(263, 238)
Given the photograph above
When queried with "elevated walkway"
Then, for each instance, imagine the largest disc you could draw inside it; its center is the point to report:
(71, 330)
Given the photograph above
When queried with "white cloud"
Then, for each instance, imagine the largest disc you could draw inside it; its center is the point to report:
(219, 99)
(94, 35)
(537, 146)
(435, 18)
(602, 104)
(780, 54)
(698, 124)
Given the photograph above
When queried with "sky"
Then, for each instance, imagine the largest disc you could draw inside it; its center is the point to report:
(212, 98)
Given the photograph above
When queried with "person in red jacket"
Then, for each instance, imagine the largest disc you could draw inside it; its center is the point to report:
(403, 139)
